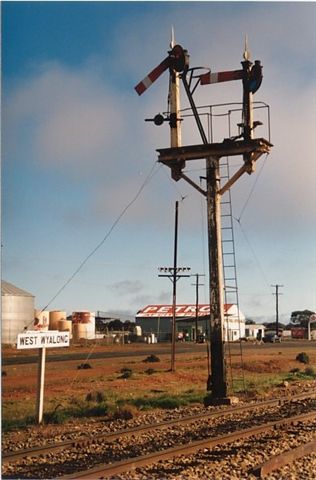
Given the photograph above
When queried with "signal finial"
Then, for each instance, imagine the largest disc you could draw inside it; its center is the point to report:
(172, 41)
(246, 54)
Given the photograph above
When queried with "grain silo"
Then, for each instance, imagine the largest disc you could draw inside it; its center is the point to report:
(17, 311)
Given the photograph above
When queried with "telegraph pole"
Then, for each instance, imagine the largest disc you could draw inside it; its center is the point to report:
(277, 293)
(174, 276)
(197, 285)
(216, 382)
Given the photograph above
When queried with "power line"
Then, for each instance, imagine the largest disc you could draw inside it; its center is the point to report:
(72, 276)
(252, 250)
(253, 187)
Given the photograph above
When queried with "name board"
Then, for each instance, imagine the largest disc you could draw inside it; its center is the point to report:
(35, 339)
(312, 318)
(180, 310)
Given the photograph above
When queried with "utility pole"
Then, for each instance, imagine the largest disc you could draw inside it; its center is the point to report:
(277, 293)
(197, 285)
(174, 276)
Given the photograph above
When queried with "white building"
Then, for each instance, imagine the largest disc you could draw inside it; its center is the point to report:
(157, 319)
(254, 331)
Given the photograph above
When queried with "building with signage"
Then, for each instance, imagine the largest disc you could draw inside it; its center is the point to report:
(157, 320)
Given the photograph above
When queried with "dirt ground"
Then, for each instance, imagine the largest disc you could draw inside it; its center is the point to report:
(64, 379)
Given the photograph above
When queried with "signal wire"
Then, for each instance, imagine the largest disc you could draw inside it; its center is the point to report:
(99, 245)
(253, 187)
(253, 252)
(150, 175)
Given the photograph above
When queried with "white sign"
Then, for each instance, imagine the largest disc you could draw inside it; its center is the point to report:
(312, 318)
(48, 339)
(180, 310)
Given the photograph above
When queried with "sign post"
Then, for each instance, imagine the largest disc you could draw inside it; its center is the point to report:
(312, 319)
(40, 384)
(41, 341)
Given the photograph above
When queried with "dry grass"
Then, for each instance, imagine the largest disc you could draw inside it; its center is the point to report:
(65, 384)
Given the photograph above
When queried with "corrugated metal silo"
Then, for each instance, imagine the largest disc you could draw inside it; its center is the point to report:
(17, 311)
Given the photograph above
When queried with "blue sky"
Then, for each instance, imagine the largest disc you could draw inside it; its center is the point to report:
(76, 150)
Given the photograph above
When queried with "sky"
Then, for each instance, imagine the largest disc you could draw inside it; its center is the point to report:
(88, 212)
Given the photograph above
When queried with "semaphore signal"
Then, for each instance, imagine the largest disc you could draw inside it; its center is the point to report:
(175, 157)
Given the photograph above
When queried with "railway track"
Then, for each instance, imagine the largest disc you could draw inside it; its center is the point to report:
(177, 437)
(106, 471)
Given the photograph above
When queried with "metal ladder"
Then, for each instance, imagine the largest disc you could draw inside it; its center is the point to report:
(230, 280)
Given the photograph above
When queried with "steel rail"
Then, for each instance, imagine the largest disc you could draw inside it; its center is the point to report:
(11, 457)
(278, 461)
(124, 466)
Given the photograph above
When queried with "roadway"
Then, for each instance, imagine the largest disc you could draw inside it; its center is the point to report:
(140, 350)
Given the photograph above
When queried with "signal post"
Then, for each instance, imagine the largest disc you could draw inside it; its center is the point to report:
(176, 157)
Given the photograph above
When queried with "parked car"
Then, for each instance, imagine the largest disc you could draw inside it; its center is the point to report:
(271, 338)
(201, 338)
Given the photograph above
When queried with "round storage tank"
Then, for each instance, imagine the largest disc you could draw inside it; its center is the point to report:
(79, 331)
(65, 325)
(54, 318)
(88, 320)
(41, 320)
(17, 312)
(81, 317)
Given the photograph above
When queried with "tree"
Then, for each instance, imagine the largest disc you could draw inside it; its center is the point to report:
(249, 321)
(301, 317)
(129, 326)
(116, 325)
(272, 326)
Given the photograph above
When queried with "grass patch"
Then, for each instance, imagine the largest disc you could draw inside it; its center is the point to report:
(9, 424)
(166, 401)
(297, 374)
(258, 385)
(97, 397)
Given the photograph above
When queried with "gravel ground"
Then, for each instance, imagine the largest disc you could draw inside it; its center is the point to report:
(229, 462)
(236, 460)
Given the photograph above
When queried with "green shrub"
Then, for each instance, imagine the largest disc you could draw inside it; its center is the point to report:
(151, 359)
(302, 357)
(98, 397)
(295, 370)
(58, 417)
(84, 366)
(310, 372)
(150, 371)
(100, 410)
(123, 412)
(126, 373)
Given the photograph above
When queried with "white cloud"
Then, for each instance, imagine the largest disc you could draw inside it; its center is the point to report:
(71, 117)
